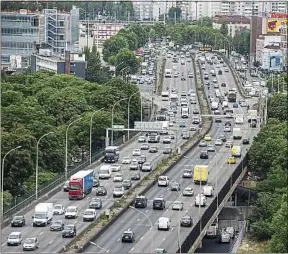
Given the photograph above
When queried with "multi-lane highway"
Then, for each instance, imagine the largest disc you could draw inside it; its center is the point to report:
(52, 241)
(148, 237)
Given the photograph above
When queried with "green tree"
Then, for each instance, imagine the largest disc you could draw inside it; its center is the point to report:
(112, 46)
(277, 107)
(241, 42)
(224, 29)
(160, 30)
(174, 13)
(127, 59)
(205, 22)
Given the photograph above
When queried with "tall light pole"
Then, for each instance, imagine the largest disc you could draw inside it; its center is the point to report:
(66, 146)
(91, 123)
(112, 122)
(128, 120)
(2, 180)
(151, 224)
(37, 163)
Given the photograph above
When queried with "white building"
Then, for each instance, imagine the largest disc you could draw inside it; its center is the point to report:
(263, 41)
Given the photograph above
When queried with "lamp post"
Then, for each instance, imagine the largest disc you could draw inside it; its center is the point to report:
(91, 123)
(112, 122)
(2, 179)
(128, 120)
(37, 162)
(66, 146)
(151, 224)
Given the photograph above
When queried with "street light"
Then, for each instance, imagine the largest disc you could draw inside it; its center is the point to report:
(2, 180)
(116, 68)
(112, 122)
(91, 122)
(128, 120)
(151, 224)
(66, 146)
(37, 162)
(95, 244)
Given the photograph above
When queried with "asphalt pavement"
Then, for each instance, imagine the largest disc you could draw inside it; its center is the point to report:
(52, 241)
(148, 237)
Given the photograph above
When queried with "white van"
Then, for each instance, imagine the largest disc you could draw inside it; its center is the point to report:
(208, 191)
(105, 172)
(164, 223)
(163, 181)
(224, 104)
(200, 200)
(212, 230)
(15, 238)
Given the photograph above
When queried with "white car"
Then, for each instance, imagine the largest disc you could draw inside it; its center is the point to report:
(227, 129)
(171, 124)
(137, 152)
(188, 192)
(177, 205)
(58, 209)
(118, 177)
(167, 140)
(141, 139)
(115, 168)
(208, 191)
(229, 144)
(218, 142)
(71, 212)
(163, 181)
(89, 215)
(126, 160)
(118, 191)
(210, 148)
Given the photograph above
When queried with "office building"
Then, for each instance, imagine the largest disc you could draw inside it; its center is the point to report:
(143, 10)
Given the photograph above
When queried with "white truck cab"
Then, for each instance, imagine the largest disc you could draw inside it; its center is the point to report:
(208, 191)
(163, 181)
(200, 200)
(43, 214)
(164, 223)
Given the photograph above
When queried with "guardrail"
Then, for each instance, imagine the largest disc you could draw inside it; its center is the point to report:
(235, 246)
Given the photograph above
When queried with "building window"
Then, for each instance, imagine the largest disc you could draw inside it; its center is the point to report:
(72, 72)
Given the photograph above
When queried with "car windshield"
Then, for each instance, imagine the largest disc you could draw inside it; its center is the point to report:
(187, 171)
(126, 158)
(162, 178)
(70, 210)
(68, 227)
(30, 240)
(74, 186)
(57, 223)
(118, 175)
(118, 189)
(146, 164)
(101, 189)
(40, 216)
(57, 207)
(177, 203)
(126, 182)
(18, 218)
(127, 234)
(89, 212)
(188, 189)
(13, 236)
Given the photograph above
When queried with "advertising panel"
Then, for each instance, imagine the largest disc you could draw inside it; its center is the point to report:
(275, 61)
(277, 22)
(205, 48)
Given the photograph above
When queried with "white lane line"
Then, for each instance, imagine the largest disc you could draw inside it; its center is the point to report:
(41, 233)
(132, 249)
(164, 239)
(186, 211)
(50, 242)
(3, 244)
(172, 229)
(142, 238)
(147, 211)
(118, 240)
(138, 219)
(161, 196)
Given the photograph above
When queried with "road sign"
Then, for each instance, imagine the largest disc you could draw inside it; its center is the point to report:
(118, 127)
(148, 125)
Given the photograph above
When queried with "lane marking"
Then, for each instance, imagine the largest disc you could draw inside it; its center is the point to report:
(4, 244)
(141, 237)
(150, 228)
(138, 219)
(41, 233)
(164, 239)
(172, 229)
(132, 248)
(50, 242)
(147, 211)
(118, 240)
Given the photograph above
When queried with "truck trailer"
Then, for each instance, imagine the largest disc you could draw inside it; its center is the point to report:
(81, 184)
(200, 175)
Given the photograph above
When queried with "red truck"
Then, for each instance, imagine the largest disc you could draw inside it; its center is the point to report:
(80, 184)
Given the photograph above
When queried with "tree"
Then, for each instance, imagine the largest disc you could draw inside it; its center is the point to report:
(241, 42)
(174, 13)
(126, 59)
(224, 29)
(277, 107)
(112, 46)
(205, 22)
(160, 30)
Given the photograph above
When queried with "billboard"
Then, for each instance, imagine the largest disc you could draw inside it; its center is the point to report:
(276, 24)
(275, 62)
(205, 48)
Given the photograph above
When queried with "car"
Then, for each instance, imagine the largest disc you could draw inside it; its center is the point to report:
(58, 209)
(136, 152)
(172, 136)
(95, 203)
(31, 243)
(144, 147)
(14, 238)
(183, 78)
(231, 160)
(146, 167)
(222, 137)
(204, 155)
(134, 165)
(185, 134)
(190, 75)
(118, 191)
(135, 176)
(141, 159)
(69, 231)
(177, 205)
(153, 149)
(18, 221)
(96, 182)
(171, 124)
(71, 212)
(188, 192)
(211, 148)
(142, 139)
(115, 167)
(118, 177)
(175, 186)
(218, 142)
(245, 141)
(187, 173)
(235, 105)
(101, 191)
(207, 137)
(207, 83)
(66, 186)
(126, 160)
(160, 250)
(223, 84)
(128, 236)
(229, 144)
(167, 140)
(167, 150)
(176, 75)
(182, 124)
(214, 80)
(228, 123)
(202, 143)
(186, 221)
(127, 184)
(218, 120)
(216, 85)
(89, 215)
(196, 111)
(227, 129)
(57, 225)
(193, 128)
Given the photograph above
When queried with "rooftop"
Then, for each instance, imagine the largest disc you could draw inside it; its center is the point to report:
(235, 19)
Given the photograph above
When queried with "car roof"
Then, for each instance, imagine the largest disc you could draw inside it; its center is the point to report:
(15, 233)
